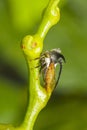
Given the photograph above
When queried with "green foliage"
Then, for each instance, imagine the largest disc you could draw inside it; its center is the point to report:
(69, 35)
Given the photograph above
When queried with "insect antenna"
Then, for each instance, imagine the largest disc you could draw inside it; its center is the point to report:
(60, 70)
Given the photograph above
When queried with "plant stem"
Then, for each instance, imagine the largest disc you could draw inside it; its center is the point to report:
(50, 18)
(37, 97)
(32, 47)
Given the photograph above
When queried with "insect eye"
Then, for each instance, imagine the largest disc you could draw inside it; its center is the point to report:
(62, 58)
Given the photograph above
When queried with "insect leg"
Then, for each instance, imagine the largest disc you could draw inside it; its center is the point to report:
(37, 66)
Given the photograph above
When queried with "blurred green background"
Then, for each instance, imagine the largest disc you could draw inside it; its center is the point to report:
(67, 108)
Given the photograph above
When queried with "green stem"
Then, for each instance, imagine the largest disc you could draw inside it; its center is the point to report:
(32, 47)
(50, 18)
(37, 97)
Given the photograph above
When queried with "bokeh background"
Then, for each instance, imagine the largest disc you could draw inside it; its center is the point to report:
(67, 108)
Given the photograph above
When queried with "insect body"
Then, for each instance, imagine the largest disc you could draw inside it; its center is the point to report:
(48, 59)
(50, 78)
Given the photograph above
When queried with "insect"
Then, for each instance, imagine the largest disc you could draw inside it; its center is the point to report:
(48, 61)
